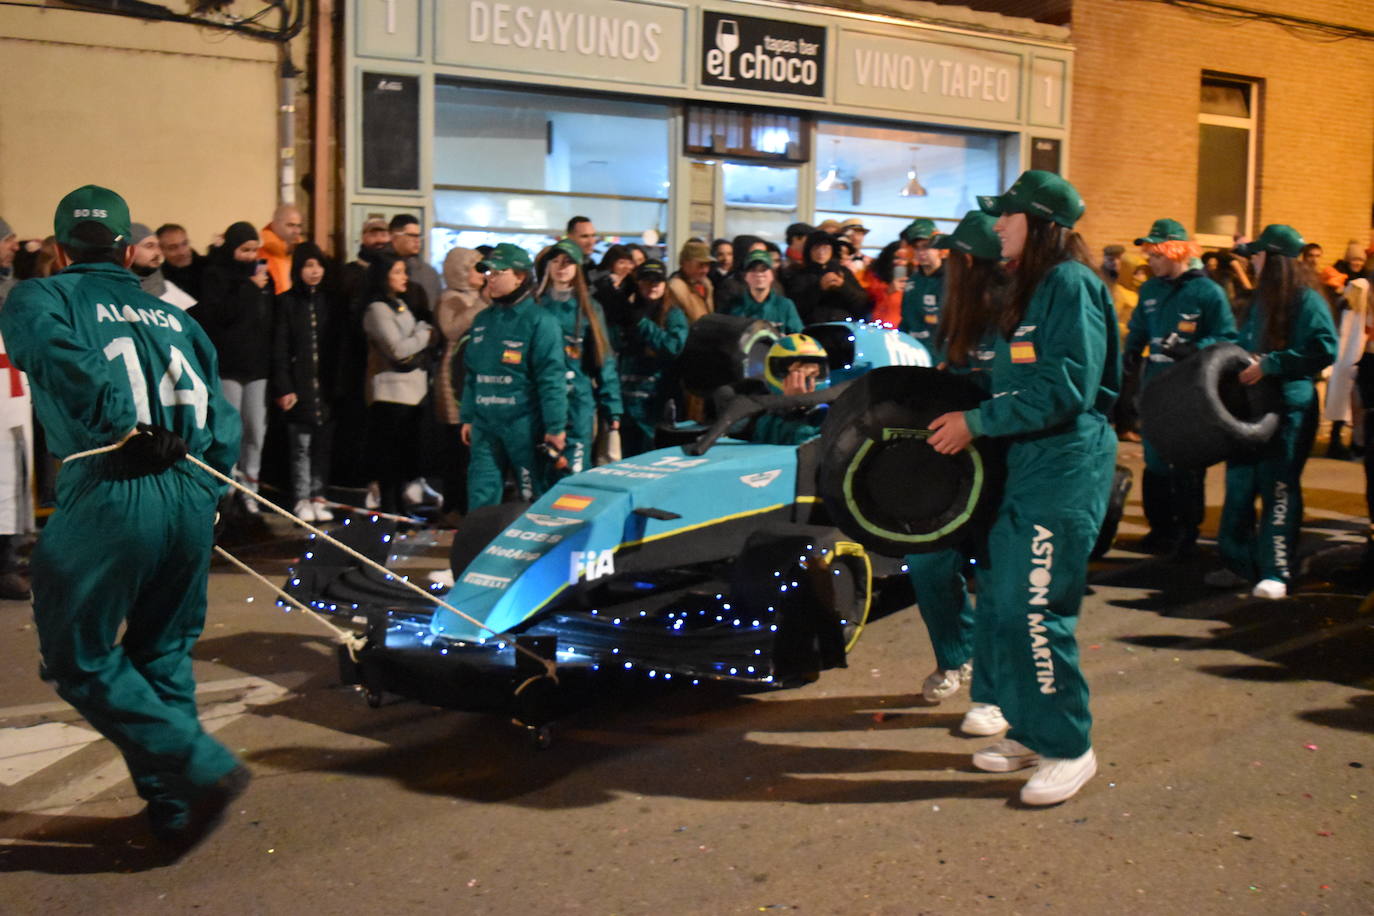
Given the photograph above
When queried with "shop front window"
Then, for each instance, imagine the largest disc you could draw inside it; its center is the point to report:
(759, 199)
(888, 176)
(1227, 128)
(514, 166)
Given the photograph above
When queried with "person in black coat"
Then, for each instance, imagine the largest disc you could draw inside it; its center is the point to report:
(236, 309)
(823, 288)
(305, 374)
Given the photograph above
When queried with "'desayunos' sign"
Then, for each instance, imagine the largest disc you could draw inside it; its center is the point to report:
(768, 55)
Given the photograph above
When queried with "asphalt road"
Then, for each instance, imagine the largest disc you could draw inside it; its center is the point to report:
(1234, 737)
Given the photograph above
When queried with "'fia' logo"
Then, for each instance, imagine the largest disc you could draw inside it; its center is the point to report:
(590, 564)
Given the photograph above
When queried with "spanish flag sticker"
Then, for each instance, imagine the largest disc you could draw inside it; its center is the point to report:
(571, 502)
(932, 318)
(1187, 327)
(512, 357)
(1022, 351)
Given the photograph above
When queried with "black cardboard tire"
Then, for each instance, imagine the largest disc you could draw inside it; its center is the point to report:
(478, 529)
(1197, 413)
(722, 350)
(883, 486)
(1116, 508)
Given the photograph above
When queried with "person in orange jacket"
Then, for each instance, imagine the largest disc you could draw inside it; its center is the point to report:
(279, 239)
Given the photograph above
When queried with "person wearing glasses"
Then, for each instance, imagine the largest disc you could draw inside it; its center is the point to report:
(408, 241)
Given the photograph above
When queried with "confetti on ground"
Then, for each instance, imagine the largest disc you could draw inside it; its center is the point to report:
(472, 882)
(1324, 833)
(1310, 747)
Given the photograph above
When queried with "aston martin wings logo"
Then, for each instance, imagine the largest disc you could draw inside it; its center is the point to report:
(761, 479)
(551, 521)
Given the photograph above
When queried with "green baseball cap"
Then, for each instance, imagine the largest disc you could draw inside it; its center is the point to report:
(918, 229)
(1277, 238)
(1038, 193)
(1164, 230)
(972, 236)
(506, 257)
(570, 248)
(757, 257)
(91, 204)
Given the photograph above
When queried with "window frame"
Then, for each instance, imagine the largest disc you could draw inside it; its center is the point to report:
(1249, 124)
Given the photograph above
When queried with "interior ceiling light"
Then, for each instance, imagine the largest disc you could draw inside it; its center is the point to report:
(832, 180)
(913, 186)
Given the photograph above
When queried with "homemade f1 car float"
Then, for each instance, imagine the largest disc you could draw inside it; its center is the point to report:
(715, 560)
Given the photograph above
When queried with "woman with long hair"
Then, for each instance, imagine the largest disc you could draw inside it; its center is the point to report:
(885, 282)
(1290, 332)
(975, 289)
(1056, 372)
(397, 379)
(593, 386)
(648, 338)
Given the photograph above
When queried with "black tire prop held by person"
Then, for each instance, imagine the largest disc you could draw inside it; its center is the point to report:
(883, 485)
(1197, 412)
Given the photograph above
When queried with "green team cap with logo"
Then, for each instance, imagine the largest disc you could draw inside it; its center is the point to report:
(1038, 193)
(756, 258)
(91, 204)
(571, 249)
(1277, 238)
(1164, 230)
(973, 236)
(506, 257)
(918, 229)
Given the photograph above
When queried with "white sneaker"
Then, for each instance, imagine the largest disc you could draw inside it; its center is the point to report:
(1058, 779)
(941, 684)
(305, 511)
(983, 719)
(322, 513)
(373, 499)
(1006, 756)
(442, 577)
(1270, 588)
(250, 505)
(419, 493)
(1224, 578)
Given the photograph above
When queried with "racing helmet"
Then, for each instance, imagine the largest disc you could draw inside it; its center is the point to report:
(790, 349)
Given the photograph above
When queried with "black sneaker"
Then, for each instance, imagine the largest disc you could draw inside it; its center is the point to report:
(206, 812)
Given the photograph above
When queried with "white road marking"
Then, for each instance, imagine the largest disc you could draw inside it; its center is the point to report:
(39, 746)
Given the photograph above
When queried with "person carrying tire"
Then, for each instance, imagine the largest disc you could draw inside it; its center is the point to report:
(1055, 376)
(650, 334)
(120, 572)
(1292, 338)
(1179, 312)
(963, 345)
(515, 392)
(593, 385)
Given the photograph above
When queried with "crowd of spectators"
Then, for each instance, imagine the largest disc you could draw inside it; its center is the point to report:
(359, 365)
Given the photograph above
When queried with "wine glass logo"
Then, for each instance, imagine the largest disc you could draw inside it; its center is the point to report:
(727, 39)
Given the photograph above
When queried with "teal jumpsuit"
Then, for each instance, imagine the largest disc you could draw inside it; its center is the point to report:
(584, 396)
(1276, 476)
(777, 308)
(514, 391)
(921, 304)
(103, 355)
(646, 355)
(790, 429)
(1053, 384)
(937, 578)
(1196, 309)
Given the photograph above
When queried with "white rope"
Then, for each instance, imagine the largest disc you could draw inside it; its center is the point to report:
(352, 641)
(550, 670)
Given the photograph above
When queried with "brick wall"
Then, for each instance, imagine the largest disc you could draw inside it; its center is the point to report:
(1134, 138)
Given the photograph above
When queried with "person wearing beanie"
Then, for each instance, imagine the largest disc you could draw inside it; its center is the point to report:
(236, 312)
(1179, 312)
(1055, 375)
(147, 266)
